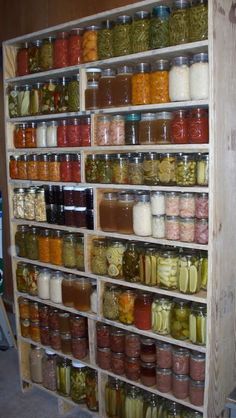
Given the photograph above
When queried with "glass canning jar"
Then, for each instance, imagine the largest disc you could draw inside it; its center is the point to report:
(126, 306)
(196, 392)
(180, 386)
(63, 376)
(54, 167)
(130, 264)
(179, 86)
(74, 94)
(78, 326)
(197, 366)
(167, 169)
(91, 389)
(79, 252)
(203, 170)
(104, 358)
(142, 311)
(140, 31)
(163, 355)
(132, 368)
(148, 257)
(22, 58)
(93, 74)
(103, 332)
(43, 280)
(33, 61)
(68, 290)
(40, 205)
(189, 280)
(48, 93)
(89, 43)
(66, 167)
(117, 130)
(161, 308)
(199, 77)
(98, 257)
(180, 313)
(141, 84)
(136, 169)
(114, 256)
(75, 46)
(148, 350)
(104, 168)
(106, 88)
(159, 81)
(117, 340)
(18, 203)
(36, 371)
(82, 289)
(62, 140)
(49, 363)
(46, 54)
(91, 95)
(150, 168)
(122, 36)
(158, 203)
(41, 134)
(107, 209)
(12, 93)
(122, 86)
(44, 245)
(198, 324)
(55, 246)
(104, 40)
(61, 93)
(118, 363)
(201, 205)
(198, 21)
(124, 213)
(164, 380)
(23, 100)
(162, 127)
(29, 203)
(132, 345)
(36, 99)
(68, 250)
(180, 360)
(91, 165)
(147, 134)
(132, 129)
(32, 280)
(179, 127)
(142, 210)
(55, 287)
(21, 277)
(23, 308)
(20, 240)
(198, 126)
(22, 163)
(111, 302)
(179, 23)
(60, 53)
(103, 123)
(32, 243)
(148, 374)
(19, 136)
(25, 328)
(187, 229)
(186, 170)
(32, 167)
(167, 269)
(14, 166)
(77, 382)
(159, 27)
(120, 166)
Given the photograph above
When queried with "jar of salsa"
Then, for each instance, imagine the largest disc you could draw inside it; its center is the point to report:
(117, 340)
(55, 246)
(198, 126)
(75, 46)
(106, 88)
(142, 311)
(22, 58)
(132, 368)
(60, 57)
(179, 130)
(103, 335)
(122, 87)
(148, 350)
(66, 167)
(76, 168)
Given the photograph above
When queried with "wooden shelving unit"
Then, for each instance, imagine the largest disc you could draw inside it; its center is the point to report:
(220, 297)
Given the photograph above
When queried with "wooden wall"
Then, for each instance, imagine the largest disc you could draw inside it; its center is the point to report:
(19, 17)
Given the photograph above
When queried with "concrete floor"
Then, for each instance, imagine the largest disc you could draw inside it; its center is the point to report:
(32, 404)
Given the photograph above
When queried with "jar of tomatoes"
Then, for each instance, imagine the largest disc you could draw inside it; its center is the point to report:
(142, 311)
(61, 58)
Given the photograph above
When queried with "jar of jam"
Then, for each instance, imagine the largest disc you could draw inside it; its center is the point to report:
(126, 306)
(142, 311)
(75, 46)
(148, 350)
(91, 95)
(196, 392)
(22, 58)
(122, 86)
(164, 380)
(117, 340)
(23, 308)
(66, 167)
(103, 335)
(69, 212)
(198, 126)
(132, 345)
(179, 128)
(180, 360)
(148, 374)
(163, 355)
(61, 58)
(141, 85)
(54, 319)
(132, 368)
(79, 347)
(132, 129)
(197, 366)
(106, 88)
(104, 358)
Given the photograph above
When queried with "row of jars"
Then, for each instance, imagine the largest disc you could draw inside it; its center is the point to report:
(72, 341)
(135, 349)
(126, 35)
(177, 318)
(50, 246)
(130, 208)
(74, 132)
(123, 400)
(178, 127)
(56, 286)
(31, 204)
(151, 265)
(46, 167)
(58, 374)
(162, 82)
(51, 96)
(148, 168)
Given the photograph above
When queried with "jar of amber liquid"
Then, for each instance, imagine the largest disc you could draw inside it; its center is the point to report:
(91, 95)
(141, 85)
(55, 247)
(124, 213)
(122, 86)
(159, 82)
(147, 134)
(107, 209)
(68, 290)
(82, 289)
(106, 88)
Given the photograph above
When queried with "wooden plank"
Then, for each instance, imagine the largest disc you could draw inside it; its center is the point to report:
(221, 348)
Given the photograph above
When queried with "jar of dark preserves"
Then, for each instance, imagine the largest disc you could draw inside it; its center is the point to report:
(103, 335)
(148, 350)
(117, 340)
(148, 374)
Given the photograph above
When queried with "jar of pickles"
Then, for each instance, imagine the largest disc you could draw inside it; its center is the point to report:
(120, 166)
(111, 302)
(186, 170)
(167, 269)
(167, 169)
(114, 256)
(188, 274)
(150, 169)
(20, 240)
(77, 382)
(74, 94)
(98, 257)
(48, 92)
(159, 27)
(126, 306)
(203, 170)
(179, 23)
(203, 270)
(91, 389)
(141, 85)
(122, 36)
(46, 54)
(34, 52)
(136, 170)
(63, 376)
(104, 40)
(32, 244)
(62, 95)
(122, 86)
(180, 313)
(140, 32)
(114, 397)
(148, 257)
(131, 263)
(198, 324)
(161, 308)
(23, 100)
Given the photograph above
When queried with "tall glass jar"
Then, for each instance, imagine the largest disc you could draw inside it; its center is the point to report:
(203, 170)
(107, 208)
(198, 324)
(91, 389)
(198, 21)
(98, 257)
(111, 302)
(79, 252)
(60, 53)
(68, 250)
(55, 247)
(22, 277)
(122, 86)
(114, 398)
(197, 366)
(179, 133)
(91, 95)
(22, 59)
(61, 100)
(13, 92)
(41, 134)
(142, 311)
(104, 168)
(126, 306)
(130, 263)
(46, 54)
(141, 85)
(140, 31)
(167, 168)
(29, 203)
(43, 280)
(198, 126)
(75, 46)
(179, 23)
(159, 81)
(114, 255)
(188, 274)
(142, 210)
(199, 77)
(168, 269)
(179, 85)
(103, 124)
(48, 99)
(136, 169)
(132, 129)
(34, 52)
(122, 36)
(36, 371)
(106, 88)
(77, 383)
(120, 169)
(82, 289)
(117, 130)
(89, 43)
(180, 313)
(32, 244)
(161, 308)
(63, 376)
(23, 100)
(36, 99)
(68, 290)
(147, 132)
(150, 169)
(159, 27)
(74, 94)
(49, 364)
(124, 213)
(55, 287)
(104, 40)
(20, 240)
(148, 259)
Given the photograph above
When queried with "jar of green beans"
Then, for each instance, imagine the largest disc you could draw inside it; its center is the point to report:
(77, 382)
(104, 41)
(159, 27)
(74, 94)
(140, 31)
(198, 20)
(179, 22)
(122, 36)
